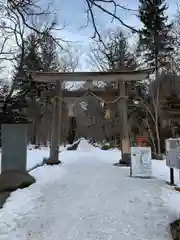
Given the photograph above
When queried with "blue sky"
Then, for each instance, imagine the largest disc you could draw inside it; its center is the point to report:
(73, 12)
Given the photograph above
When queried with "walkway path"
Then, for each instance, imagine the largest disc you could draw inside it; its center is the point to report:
(93, 200)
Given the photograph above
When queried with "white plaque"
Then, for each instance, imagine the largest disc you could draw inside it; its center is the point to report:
(141, 164)
(71, 109)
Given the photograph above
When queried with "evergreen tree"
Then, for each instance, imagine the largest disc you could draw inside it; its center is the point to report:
(155, 44)
(20, 104)
(14, 108)
(31, 61)
(155, 41)
(19, 94)
(48, 54)
(39, 54)
(31, 58)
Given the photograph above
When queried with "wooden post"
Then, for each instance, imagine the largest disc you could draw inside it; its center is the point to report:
(56, 126)
(124, 135)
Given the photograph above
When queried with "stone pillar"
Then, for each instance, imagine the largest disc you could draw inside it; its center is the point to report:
(14, 147)
(56, 125)
(124, 135)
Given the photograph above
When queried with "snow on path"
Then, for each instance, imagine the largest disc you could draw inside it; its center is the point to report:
(86, 199)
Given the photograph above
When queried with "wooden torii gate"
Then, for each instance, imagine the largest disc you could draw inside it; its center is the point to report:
(58, 78)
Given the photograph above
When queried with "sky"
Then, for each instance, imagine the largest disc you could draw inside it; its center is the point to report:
(73, 13)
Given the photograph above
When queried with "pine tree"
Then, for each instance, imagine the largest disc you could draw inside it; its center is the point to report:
(37, 54)
(155, 41)
(20, 93)
(14, 108)
(120, 52)
(155, 44)
(29, 59)
(48, 54)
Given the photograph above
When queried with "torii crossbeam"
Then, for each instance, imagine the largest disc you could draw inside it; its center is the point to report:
(120, 76)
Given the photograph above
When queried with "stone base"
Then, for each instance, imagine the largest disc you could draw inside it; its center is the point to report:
(52, 162)
(12, 180)
(126, 159)
(119, 164)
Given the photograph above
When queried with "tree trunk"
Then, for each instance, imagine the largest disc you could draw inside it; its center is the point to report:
(152, 137)
(157, 106)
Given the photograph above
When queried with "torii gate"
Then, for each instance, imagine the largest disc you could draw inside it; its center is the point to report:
(120, 76)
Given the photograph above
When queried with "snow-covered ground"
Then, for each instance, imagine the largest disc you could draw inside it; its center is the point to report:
(87, 198)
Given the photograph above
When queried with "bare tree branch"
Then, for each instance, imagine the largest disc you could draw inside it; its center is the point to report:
(68, 59)
(19, 18)
(113, 48)
(98, 4)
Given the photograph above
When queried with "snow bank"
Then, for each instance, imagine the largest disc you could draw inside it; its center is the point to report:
(170, 197)
(162, 172)
(23, 201)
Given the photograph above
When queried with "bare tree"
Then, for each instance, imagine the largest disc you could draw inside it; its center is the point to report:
(104, 54)
(68, 58)
(18, 18)
(111, 8)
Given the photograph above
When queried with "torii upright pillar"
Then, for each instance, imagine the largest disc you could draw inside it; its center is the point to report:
(56, 125)
(124, 131)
